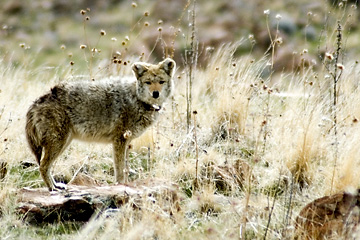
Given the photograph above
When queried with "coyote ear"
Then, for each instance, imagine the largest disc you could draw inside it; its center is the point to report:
(168, 65)
(139, 69)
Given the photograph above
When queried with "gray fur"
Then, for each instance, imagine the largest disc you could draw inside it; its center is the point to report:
(110, 111)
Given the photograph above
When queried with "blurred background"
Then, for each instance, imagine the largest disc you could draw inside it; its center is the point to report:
(52, 31)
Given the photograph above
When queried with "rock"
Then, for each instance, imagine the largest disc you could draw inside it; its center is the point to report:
(329, 217)
(79, 203)
(286, 24)
(310, 33)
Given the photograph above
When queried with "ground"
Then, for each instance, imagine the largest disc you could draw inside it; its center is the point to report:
(251, 135)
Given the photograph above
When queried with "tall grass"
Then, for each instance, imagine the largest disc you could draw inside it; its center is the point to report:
(259, 146)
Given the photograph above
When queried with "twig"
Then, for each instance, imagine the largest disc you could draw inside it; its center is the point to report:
(191, 59)
(271, 211)
(336, 78)
(78, 170)
(196, 184)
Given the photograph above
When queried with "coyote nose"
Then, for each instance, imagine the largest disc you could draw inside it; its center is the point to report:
(155, 94)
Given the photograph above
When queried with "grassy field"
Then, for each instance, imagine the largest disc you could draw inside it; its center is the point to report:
(248, 145)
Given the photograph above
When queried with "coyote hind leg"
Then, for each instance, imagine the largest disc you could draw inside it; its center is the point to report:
(46, 163)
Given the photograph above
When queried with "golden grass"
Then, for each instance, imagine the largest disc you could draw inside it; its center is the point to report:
(280, 126)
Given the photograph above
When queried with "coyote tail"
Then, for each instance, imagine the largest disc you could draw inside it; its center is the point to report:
(32, 136)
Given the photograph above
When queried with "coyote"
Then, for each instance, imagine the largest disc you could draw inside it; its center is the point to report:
(110, 111)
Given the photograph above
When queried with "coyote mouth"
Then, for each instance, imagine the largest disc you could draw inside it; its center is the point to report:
(152, 107)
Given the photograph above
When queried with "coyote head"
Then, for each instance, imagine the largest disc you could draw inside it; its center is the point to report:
(154, 82)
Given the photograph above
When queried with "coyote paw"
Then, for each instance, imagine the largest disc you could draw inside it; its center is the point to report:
(58, 187)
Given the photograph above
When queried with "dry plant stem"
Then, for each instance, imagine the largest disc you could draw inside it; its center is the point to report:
(336, 76)
(78, 171)
(243, 222)
(88, 62)
(272, 42)
(7, 124)
(266, 122)
(269, 32)
(191, 58)
(271, 211)
(159, 39)
(172, 47)
(288, 212)
(149, 157)
(196, 185)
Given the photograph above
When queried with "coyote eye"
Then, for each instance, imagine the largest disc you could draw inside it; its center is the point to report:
(148, 82)
(162, 82)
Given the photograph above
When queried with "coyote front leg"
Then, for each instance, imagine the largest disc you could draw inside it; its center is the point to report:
(119, 146)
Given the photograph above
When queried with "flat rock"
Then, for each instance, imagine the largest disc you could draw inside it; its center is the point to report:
(330, 217)
(79, 203)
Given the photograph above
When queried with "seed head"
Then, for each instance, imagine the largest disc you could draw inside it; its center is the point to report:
(340, 66)
(134, 5)
(160, 22)
(160, 29)
(127, 38)
(146, 24)
(146, 14)
(278, 17)
(63, 47)
(82, 46)
(113, 39)
(87, 18)
(279, 40)
(22, 45)
(72, 63)
(267, 11)
(329, 56)
(102, 32)
(82, 12)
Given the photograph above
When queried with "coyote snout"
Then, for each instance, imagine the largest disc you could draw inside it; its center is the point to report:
(107, 111)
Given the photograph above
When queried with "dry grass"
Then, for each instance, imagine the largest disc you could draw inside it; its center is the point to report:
(289, 154)
(264, 146)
